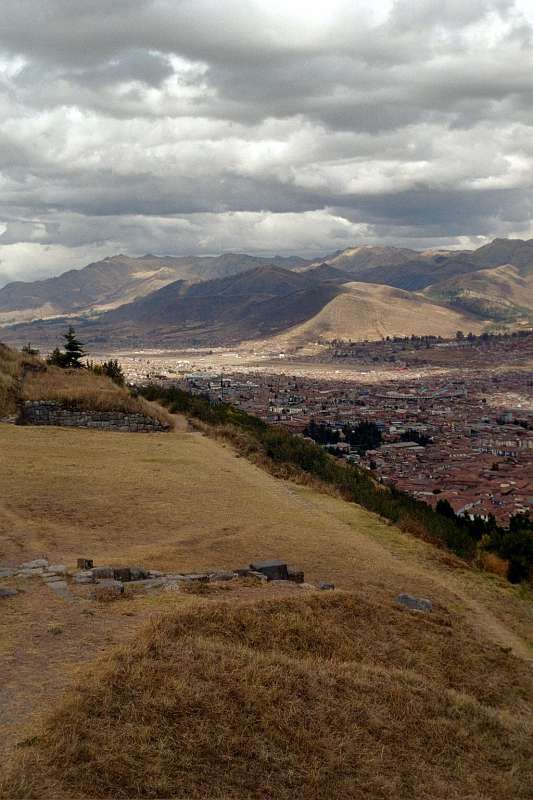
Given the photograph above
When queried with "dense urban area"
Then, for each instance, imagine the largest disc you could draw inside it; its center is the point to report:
(440, 419)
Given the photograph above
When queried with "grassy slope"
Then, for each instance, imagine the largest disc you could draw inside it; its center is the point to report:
(368, 311)
(504, 292)
(371, 691)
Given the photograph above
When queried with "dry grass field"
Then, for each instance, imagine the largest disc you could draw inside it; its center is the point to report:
(248, 692)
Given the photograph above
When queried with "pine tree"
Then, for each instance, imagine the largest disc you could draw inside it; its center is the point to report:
(74, 351)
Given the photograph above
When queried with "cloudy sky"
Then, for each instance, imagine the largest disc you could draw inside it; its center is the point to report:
(266, 126)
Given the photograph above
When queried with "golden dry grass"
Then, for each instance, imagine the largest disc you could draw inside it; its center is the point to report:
(312, 696)
(374, 699)
(11, 366)
(82, 389)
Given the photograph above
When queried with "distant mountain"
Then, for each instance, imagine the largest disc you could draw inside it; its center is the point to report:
(116, 280)
(518, 252)
(416, 275)
(258, 302)
(355, 260)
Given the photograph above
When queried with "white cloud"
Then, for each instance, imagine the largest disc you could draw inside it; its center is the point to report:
(262, 126)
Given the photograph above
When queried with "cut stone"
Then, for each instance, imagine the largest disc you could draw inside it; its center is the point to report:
(274, 570)
(122, 574)
(38, 562)
(138, 574)
(325, 586)
(306, 586)
(296, 575)
(200, 577)
(6, 572)
(58, 569)
(414, 603)
(7, 591)
(103, 572)
(221, 576)
(84, 577)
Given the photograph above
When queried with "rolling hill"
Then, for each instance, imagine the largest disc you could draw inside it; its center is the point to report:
(371, 311)
(503, 293)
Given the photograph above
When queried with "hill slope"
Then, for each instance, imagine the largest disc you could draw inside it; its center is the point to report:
(117, 280)
(258, 693)
(500, 293)
(368, 311)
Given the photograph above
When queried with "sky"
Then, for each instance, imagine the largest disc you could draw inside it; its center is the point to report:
(263, 126)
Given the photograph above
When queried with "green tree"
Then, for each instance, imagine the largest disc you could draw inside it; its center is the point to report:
(74, 351)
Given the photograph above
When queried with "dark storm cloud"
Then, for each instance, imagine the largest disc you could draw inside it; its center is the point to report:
(190, 125)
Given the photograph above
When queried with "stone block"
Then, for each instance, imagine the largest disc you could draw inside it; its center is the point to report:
(6, 572)
(296, 575)
(274, 570)
(85, 576)
(85, 563)
(138, 574)
(31, 573)
(221, 576)
(199, 577)
(103, 572)
(414, 603)
(306, 586)
(35, 564)
(155, 573)
(325, 586)
(257, 575)
(57, 569)
(7, 591)
(122, 574)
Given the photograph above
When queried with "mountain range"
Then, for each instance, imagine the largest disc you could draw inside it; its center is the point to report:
(361, 292)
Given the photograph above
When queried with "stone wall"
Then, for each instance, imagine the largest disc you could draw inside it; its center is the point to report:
(47, 412)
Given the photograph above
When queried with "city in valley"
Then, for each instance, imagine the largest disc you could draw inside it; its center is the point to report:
(439, 419)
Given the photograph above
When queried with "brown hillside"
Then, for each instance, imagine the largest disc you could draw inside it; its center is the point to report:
(371, 311)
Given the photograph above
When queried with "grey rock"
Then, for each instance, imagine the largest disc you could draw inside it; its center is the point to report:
(306, 586)
(200, 577)
(414, 603)
(51, 578)
(325, 586)
(155, 573)
(103, 572)
(296, 575)
(138, 574)
(221, 576)
(85, 576)
(57, 569)
(274, 570)
(31, 573)
(7, 591)
(35, 564)
(6, 572)
(260, 576)
(122, 574)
